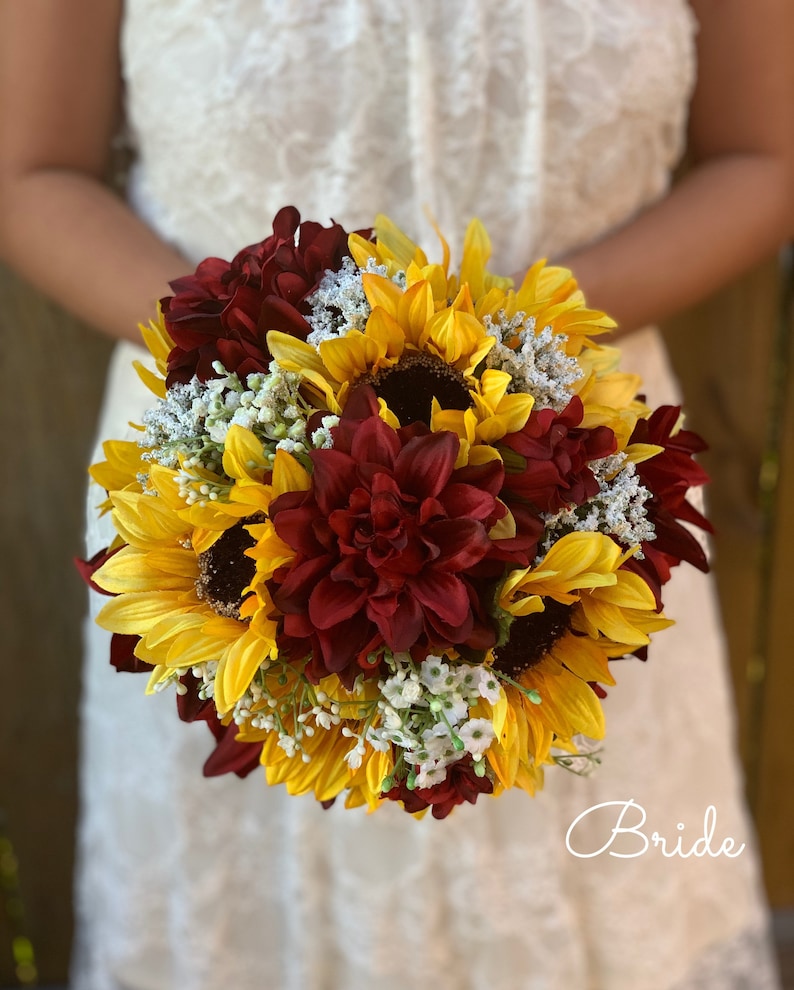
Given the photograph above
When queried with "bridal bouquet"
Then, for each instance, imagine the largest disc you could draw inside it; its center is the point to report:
(386, 523)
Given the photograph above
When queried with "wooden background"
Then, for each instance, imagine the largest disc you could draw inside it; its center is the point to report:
(731, 354)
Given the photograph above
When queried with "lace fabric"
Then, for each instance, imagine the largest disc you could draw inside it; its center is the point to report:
(741, 963)
(552, 120)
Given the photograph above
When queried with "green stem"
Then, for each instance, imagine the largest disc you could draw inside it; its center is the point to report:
(527, 692)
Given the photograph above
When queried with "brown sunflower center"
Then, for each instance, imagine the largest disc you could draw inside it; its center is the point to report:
(409, 386)
(224, 570)
(531, 637)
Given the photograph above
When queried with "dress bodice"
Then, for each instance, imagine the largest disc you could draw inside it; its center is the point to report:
(551, 120)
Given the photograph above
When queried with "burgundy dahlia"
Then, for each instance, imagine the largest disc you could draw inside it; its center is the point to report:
(225, 309)
(551, 470)
(673, 472)
(386, 540)
(669, 475)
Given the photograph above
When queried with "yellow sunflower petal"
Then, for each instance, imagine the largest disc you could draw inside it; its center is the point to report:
(120, 467)
(577, 561)
(398, 245)
(444, 245)
(476, 252)
(639, 452)
(568, 705)
(158, 341)
(493, 387)
(629, 591)
(289, 475)
(379, 766)
(171, 626)
(388, 337)
(381, 292)
(347, 358)
(143, 521)
(150, 379)
(238, 667)
(612, 621)
(415, 310)
(361, 250)
(165, 482)
(191, 645)
(132, 570)
(243, 455)
(158, 675)
(583, 657)
(294, 354)
(529, 778)
(135, 613)
(202, 539)
(527, 606)
(615, 390)
(504, 528)
(453, 336)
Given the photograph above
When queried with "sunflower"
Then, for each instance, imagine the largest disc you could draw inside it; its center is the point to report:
(566, 617)
(183, 587)
(421, 347)
(408, 352)
(494, 414)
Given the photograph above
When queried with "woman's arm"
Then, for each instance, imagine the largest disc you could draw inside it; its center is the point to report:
(60, 226)
(735, 207)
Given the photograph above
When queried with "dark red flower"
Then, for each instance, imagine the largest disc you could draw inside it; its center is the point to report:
(669, 475)
(190, 706)
(385, 540)
(461, 784)
(547, 460)
(229, 755)
(122, 655)
(673, 472)
(225, 309)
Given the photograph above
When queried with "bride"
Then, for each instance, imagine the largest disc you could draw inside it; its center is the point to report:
(557, 122)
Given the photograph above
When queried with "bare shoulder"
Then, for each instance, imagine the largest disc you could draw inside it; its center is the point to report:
(59, 83)
(745, 77)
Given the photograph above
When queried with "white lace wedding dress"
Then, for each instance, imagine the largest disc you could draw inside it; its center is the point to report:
(552, 120)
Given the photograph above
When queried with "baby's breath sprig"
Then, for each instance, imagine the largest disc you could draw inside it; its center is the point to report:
(425, 715)
(618, 509)
(299, 711)
(581, 763)
(187, 429)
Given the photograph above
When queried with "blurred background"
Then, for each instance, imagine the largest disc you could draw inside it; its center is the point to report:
(734, 357)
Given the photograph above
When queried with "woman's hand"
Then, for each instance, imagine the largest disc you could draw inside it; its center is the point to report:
(735, 206)
(60, 226)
